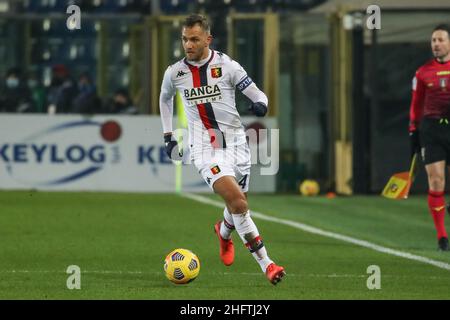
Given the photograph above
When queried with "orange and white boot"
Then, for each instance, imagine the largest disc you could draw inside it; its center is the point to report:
(226, 247)
(274, 273)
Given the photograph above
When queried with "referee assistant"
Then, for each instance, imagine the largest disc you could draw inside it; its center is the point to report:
(429, 127)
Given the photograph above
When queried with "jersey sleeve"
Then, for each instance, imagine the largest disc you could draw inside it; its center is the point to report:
(255, 95)
(418, 97)
(166, 101)
(245, 84)
(239, 77)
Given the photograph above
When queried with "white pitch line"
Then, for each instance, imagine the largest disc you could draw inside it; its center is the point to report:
(314, 230)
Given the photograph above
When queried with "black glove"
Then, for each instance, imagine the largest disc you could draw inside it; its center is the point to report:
(259, 109)
(415, 142)
(172, 149)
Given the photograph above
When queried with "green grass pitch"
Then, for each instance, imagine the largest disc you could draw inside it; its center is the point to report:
(119, 241)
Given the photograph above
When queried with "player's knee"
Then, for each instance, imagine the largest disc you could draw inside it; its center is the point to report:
(239, 205)
(437, 182)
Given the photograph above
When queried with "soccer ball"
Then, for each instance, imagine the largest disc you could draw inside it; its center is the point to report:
(181, 266)
(309, 188)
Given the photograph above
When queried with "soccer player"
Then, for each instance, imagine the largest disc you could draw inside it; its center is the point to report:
(207, 80)
(430, 114)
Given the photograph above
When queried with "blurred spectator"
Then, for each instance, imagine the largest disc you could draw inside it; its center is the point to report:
(63, 90)
(14, 94)
(38, 93)
(121, 103)
(87, 101)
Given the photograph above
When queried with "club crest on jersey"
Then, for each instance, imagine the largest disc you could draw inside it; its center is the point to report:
(216, 72)
(215, 170)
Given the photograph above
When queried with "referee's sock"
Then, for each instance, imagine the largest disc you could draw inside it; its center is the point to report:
(436, 204)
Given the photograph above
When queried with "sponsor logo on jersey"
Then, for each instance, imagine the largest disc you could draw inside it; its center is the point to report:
(204, 94)
(443, 73)
(181, 73)
(216, 72)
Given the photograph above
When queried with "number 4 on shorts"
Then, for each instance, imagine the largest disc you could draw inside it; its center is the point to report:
(243, 182)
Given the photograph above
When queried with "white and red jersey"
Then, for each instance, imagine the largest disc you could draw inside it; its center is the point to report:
(208, 91)
(431, 93)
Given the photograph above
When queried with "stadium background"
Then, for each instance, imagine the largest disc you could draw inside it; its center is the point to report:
(340, 94)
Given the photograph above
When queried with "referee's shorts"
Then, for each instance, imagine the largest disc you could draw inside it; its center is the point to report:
(435, 140)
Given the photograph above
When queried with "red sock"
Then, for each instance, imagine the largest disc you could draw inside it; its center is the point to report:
(436, 203)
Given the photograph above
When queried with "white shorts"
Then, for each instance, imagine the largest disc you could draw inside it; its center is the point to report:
(213, 164)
